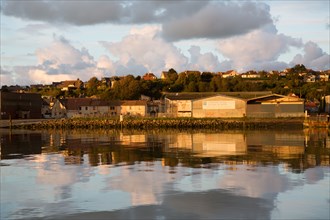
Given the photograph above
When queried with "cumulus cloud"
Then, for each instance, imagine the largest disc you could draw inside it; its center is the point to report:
(144, 50)
(257, 49)
(104, 62)
(62, 61)
(62, 57)
(314, 57)
(203, 62)
(179, 19)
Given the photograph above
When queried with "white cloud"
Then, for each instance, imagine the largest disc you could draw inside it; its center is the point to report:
(41, 76)
(144, 50)
(62, 57)
(61, 61)
(104, 62)
(203, 62)
(314, 57)
(259, 48)
(259, 184)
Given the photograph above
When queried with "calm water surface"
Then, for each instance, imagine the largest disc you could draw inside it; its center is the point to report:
(104, 174)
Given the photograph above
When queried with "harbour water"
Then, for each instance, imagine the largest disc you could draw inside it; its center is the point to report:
(165, 174)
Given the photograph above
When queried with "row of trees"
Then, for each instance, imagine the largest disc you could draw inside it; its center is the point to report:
(130, 87)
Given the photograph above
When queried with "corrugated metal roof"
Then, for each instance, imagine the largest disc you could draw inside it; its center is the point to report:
(199, 95)
(275, 98)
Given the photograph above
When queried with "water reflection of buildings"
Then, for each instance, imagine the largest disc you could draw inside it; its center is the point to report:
(299, 150)
(191, 149)
(19, 145)
(228, 144)
(208, 144)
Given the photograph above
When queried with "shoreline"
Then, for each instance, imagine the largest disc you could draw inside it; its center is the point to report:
(152, 123)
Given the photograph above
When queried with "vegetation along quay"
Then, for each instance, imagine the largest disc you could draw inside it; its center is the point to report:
(151, 123)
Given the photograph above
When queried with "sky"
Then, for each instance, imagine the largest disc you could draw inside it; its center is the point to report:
(45, 41)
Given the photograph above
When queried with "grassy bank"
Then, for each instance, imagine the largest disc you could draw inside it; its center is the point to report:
(181, 123)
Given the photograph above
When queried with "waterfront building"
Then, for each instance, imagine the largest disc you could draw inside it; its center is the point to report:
(85, 107)
(20, 105)
(134, 107)
(275, 106)
(233, 105)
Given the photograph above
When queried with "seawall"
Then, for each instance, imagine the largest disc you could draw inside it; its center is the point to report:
(146, 123)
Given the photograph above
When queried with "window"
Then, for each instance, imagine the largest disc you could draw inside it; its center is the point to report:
(86, 108)
(112, 107)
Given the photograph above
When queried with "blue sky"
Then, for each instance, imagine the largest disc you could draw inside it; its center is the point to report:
(47, 41)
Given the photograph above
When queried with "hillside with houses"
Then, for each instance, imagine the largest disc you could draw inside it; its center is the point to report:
(186, 94)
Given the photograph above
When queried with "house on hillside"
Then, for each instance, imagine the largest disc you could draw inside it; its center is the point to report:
(229, 73)
(250, 75)
(309, 78)
(134, 107)
(164, 75)
(70, 84)
(323, 77)
(149, 76)
(20, 105)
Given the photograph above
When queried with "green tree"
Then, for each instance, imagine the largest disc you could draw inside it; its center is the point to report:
(215, 84)
(151, 88)
(127, 88)
(191, 87)
(204, 87)
(206, 76)
(172, 75)
(92, 86)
